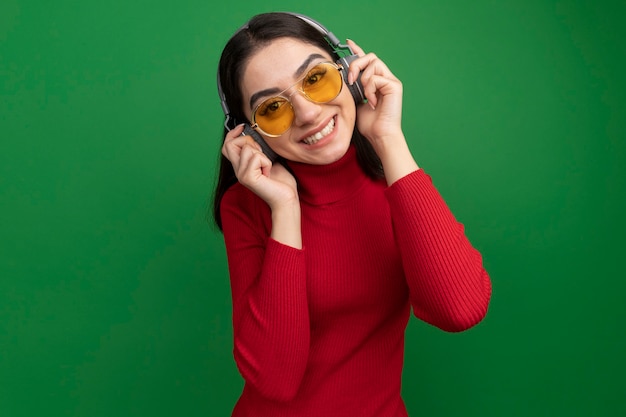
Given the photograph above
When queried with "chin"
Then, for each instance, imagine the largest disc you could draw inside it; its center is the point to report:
(331, 154)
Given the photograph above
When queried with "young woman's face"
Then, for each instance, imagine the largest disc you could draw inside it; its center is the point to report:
(321, 132)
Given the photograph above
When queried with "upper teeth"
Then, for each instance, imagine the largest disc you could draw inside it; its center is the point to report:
(316, 137)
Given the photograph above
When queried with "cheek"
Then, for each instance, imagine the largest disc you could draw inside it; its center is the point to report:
(349, 109)
(346, 98)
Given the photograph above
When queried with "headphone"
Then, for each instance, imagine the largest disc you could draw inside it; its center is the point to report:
(344, 56)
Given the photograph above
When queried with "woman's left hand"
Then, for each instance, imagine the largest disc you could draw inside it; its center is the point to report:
(380, 119)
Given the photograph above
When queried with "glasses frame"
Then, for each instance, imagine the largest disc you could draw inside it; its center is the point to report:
(300, 90)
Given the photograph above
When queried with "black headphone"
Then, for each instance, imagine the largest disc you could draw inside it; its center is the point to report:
(344, 56)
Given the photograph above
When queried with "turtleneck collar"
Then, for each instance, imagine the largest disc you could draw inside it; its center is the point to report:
(327, 184)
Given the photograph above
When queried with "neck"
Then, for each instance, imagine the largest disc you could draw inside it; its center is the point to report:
(326, 184)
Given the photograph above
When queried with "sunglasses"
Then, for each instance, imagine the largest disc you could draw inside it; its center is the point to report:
(321, 84)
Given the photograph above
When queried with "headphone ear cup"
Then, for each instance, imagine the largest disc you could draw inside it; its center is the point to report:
(247, 130)
(356, 89)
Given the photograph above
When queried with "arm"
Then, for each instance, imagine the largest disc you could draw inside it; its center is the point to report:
(270, 310)
(262, 233)
(448, 284)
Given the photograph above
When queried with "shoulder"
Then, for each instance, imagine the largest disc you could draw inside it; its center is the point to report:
(240, 205)
(236, 196)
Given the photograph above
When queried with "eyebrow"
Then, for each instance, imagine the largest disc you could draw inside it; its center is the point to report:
(296, 74)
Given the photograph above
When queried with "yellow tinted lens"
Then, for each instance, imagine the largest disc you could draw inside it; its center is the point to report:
(274, 115)
(322, 83)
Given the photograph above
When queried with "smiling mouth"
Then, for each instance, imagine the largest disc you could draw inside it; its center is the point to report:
(313, 139)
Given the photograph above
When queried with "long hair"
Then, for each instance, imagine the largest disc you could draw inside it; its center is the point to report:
(261, 30)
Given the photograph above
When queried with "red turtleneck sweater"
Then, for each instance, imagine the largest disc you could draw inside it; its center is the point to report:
(320, 331)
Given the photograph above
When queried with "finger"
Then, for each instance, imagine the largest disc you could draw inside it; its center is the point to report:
(371, 88)
(236, 131)
(371, 65)
(247, 152)
(234, 141)
(367, 66)
(230, 148)
(251, 150)
(385, 87)
(229, 138)
(251, 161)
(355, 48)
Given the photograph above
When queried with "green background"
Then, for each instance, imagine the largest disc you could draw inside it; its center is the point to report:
(114, 293)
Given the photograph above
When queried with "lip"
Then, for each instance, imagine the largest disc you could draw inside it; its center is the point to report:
(320, 127)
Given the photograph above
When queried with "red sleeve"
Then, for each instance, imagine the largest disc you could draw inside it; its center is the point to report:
(448, 285)
(270, 310)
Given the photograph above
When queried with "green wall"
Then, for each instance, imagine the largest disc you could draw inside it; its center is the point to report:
(114, 294)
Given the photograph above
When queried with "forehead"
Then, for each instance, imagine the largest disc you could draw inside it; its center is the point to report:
(275, 64)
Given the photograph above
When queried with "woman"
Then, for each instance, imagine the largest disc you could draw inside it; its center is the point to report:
(331, 245)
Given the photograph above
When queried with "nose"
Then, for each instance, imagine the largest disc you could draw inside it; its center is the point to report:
(305, 110)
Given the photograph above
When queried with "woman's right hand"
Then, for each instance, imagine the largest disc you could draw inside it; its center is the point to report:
(254, 170)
